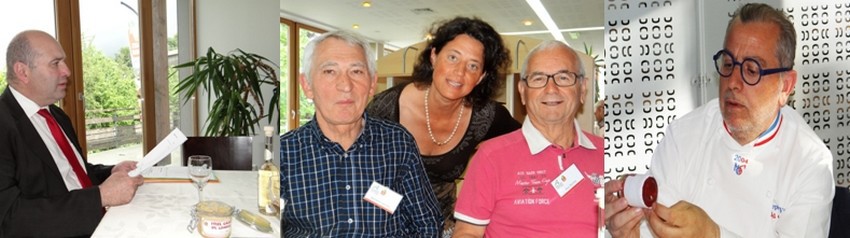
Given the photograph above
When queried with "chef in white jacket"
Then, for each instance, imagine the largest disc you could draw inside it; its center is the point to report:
(744, 164)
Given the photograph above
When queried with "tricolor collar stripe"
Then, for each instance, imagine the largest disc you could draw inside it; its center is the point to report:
(767, 135)
(770, 133)
(772, 126)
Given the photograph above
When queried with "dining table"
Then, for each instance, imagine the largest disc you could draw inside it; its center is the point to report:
(163, 209)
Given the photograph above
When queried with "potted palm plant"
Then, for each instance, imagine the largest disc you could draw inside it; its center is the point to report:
(231, 81)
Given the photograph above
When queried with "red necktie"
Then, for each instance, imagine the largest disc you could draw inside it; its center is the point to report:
(60, 139)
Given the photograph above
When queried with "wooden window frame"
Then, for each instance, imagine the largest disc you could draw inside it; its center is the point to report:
(294, 65)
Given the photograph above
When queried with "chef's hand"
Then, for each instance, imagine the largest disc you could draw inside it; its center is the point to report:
(683, 219)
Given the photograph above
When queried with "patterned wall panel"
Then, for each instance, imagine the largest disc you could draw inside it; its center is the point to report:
(649, 77)
(823, 33)
(822, 93)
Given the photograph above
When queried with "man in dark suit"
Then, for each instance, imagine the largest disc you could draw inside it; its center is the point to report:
(47, 188)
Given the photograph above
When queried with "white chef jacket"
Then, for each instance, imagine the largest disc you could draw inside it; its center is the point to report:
(779, 185)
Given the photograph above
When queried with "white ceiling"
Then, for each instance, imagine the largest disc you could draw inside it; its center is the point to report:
(394, 22)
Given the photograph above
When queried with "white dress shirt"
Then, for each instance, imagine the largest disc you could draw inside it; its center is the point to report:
(40, 124)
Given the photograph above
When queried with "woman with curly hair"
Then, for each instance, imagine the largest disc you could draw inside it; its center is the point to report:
(449, 106)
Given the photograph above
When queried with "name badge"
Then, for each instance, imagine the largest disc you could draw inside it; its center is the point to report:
(567, 180)
(383, 197)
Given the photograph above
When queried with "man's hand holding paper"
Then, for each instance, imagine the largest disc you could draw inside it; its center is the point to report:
(165, 147)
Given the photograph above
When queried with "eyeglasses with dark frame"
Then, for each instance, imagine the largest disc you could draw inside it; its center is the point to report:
(751, 71)
(562, 78)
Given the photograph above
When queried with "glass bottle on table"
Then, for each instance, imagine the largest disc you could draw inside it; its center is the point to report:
(268, 180)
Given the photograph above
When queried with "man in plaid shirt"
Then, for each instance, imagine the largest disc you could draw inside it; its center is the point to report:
(345, 174)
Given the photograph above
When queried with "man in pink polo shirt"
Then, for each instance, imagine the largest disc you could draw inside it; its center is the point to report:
(537, 181)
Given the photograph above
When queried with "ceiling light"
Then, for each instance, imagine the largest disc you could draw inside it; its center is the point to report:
(546, 19)
(355, 26)
(366, 4)
(527, 22)
(429, 36)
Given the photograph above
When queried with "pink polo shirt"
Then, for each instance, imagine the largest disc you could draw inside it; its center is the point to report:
(508, 188)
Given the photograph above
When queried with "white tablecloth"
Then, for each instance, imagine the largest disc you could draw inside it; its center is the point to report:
(162, 209)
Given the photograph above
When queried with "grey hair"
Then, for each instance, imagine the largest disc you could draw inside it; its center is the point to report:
(759, 12)
(348, 37)
(19, 50)
(552, 44)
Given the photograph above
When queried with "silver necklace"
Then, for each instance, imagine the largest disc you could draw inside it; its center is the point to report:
(428, 122)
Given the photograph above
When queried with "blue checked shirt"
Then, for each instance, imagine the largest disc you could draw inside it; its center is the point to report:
(324, 185)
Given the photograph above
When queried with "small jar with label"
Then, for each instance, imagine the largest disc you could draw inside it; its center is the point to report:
(214, 219)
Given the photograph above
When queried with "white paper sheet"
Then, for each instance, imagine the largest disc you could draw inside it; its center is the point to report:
(164, 148)
(167, 172)
(171, 173)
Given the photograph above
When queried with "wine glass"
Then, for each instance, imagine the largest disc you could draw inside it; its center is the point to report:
(200, 169)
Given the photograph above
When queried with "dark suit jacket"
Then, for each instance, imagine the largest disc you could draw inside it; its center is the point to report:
(34, 200)
(840, 226)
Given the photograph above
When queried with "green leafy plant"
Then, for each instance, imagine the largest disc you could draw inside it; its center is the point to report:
(232, 79)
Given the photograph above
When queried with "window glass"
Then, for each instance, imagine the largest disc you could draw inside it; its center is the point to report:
(173, 78)
(284, 78)
(111, 84)
(27, 15)
(305, 106)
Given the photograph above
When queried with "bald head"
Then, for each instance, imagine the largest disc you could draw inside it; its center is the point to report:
(20, 50)
(36, 67)
(553, 45)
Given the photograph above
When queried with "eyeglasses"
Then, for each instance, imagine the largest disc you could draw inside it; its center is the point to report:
(562, 78)
(751, 70)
